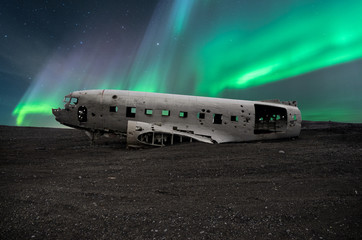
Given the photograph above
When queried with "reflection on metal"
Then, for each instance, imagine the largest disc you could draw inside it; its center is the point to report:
(156, 119)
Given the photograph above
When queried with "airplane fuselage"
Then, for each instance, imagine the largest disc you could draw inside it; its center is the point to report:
(214, 120)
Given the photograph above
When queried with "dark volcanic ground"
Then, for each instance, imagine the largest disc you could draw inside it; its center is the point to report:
(55, 185)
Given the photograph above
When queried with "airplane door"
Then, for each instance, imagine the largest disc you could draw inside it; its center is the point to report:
(82, 114)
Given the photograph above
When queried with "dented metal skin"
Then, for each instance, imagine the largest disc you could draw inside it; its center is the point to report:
(164, 119)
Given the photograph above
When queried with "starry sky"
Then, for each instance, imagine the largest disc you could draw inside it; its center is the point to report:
(304, 50)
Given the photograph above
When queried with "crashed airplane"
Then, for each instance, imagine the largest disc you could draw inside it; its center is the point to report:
(158, 119)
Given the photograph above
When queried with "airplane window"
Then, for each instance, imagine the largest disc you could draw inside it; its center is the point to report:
(295, 117)
(131, 112)
(201, 115)
(148, 111)
(183, 114)
(74, 101)
(66, 99)
(217, 118)
(113, 109)
(234, 118)
(165, 112)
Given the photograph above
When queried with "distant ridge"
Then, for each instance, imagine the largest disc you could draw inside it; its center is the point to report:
(327, 124)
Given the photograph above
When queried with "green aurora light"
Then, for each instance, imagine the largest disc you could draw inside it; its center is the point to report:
(296, 43)
(207, 47)
(22, 111)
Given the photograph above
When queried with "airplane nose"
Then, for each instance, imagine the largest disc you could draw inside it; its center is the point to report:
(65, 116)
(56, 112)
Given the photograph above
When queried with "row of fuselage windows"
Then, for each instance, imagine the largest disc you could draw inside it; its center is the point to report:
(131, 113)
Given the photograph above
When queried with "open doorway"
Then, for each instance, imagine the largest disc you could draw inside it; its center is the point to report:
(82, 114)
(269, 119)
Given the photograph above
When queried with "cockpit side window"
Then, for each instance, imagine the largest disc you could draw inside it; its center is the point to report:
(66, 99)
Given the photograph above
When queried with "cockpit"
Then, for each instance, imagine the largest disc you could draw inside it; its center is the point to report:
(72, 114)
(70, 100)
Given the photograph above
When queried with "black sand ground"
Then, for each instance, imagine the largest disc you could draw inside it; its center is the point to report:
(54, 185)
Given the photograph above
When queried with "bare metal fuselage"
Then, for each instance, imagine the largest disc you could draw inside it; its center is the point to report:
(163, 119)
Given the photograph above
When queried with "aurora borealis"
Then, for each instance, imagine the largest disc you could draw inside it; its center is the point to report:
(309, 51)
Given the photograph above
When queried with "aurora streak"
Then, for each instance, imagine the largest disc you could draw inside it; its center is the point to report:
(211, 48)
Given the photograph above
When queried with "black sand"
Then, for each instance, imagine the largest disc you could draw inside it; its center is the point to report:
(55, 185)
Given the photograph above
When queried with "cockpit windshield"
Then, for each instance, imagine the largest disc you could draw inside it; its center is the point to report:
(73, 101)
(70, 100)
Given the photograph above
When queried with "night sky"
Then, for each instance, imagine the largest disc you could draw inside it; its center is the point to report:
(304, 50)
